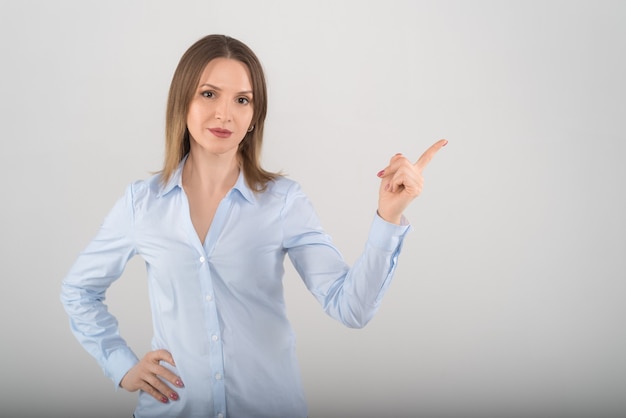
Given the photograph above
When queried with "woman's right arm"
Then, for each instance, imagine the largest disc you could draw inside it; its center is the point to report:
(83, 293)
(84, 287)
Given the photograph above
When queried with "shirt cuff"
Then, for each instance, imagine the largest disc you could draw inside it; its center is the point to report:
(387, 236)
(119, 363)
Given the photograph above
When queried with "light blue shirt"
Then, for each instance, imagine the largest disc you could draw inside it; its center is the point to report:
(219, 307)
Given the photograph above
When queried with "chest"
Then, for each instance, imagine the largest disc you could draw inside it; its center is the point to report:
(202, 208)
(238, 234)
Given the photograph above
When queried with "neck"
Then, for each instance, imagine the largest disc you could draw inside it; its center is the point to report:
(210, 172)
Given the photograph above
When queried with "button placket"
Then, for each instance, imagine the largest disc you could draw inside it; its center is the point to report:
(213, 331)
(216, 354)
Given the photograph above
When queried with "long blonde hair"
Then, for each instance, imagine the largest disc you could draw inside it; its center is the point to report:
(183, 86)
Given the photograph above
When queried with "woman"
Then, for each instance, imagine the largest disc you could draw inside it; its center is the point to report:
(213, 228)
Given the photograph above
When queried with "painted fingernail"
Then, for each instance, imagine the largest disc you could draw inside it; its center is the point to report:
(174, 396)
(179, 383)
(164, 399)
(381, 173)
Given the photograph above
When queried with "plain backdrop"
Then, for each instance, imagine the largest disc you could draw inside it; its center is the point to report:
(510, 296)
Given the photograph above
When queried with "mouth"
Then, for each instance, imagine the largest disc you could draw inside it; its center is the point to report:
(220, 133)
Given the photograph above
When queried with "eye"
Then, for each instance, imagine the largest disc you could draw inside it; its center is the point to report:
(243, 100)
(208, 94)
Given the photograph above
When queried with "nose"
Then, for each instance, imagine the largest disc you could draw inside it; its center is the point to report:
(223, 111)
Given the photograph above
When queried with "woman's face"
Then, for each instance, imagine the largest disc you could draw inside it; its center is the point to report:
(221, 110)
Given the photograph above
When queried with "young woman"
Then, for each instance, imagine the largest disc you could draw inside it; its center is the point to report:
(213, 228)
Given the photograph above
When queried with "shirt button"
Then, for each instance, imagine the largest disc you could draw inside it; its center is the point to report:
(202, 259)
(218, 376)
(215, 338)
(209, 298)
(220, 415)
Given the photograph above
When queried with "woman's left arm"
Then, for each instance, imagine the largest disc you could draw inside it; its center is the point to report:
(352, 295)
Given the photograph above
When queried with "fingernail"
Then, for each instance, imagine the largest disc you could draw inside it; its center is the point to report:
(179, 383)
(381, 173)
(398, 153)
(445, 143)
(174, 396)
(164, 399)
(387, 187)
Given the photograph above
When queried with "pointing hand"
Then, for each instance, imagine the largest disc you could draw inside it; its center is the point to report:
(402, 181)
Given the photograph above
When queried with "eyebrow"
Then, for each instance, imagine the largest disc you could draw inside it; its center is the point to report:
(219, 89)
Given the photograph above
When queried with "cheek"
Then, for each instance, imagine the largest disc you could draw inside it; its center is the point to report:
(194, 115)
(193, 110)
(248, 118)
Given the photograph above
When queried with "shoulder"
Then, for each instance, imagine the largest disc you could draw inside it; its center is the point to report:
(141, 193)
(286, 193)
(281, 187)
(146, 187)
(279, 191)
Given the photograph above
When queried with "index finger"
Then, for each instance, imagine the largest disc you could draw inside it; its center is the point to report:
(428, 155)
(166, 356)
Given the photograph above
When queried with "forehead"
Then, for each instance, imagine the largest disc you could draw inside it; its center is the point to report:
(226, 73)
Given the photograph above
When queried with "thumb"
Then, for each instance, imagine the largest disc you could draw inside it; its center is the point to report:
(164, 355)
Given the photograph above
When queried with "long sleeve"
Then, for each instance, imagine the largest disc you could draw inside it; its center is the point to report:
(83, 290)
(350, 295)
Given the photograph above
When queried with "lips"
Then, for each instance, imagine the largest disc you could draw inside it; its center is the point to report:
(220, 133)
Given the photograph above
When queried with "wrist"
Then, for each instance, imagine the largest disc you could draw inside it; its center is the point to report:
(391, 218)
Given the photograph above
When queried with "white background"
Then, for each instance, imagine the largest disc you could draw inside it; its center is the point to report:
(510, 296)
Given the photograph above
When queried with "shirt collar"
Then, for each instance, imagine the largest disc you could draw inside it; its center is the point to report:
(176, 180)
(242, 187)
